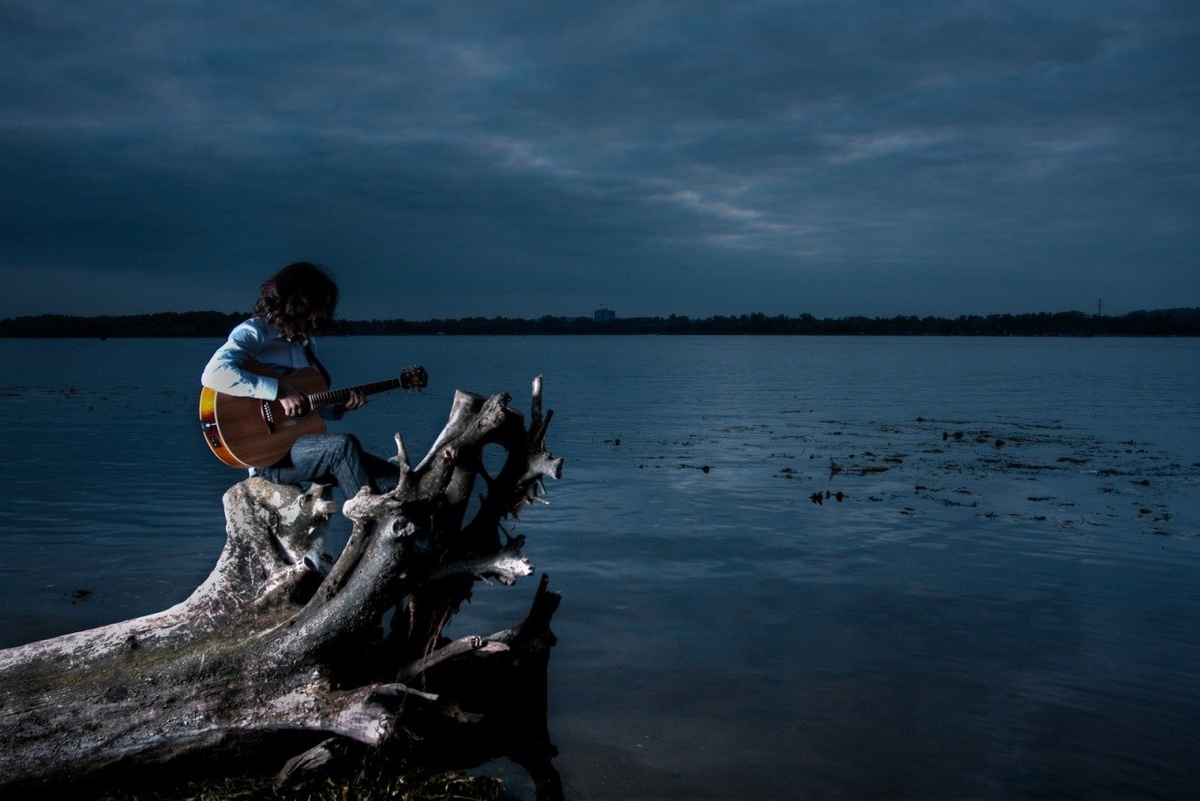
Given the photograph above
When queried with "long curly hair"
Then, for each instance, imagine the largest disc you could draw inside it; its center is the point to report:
(298, 301)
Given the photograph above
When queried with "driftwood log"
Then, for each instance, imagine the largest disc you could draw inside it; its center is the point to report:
(273, 651)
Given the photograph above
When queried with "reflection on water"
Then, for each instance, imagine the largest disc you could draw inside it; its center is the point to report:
(1002, 603)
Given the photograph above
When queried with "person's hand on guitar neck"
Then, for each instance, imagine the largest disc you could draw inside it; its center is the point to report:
(294, 402)
(357, 400)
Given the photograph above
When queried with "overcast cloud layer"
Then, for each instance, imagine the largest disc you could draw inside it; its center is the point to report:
(455, 159)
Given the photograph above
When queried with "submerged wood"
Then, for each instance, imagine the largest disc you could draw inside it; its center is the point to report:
(270, 646)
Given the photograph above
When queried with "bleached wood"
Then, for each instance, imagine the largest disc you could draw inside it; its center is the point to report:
(267, 644)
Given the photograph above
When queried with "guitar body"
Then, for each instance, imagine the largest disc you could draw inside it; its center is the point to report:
(248, 432)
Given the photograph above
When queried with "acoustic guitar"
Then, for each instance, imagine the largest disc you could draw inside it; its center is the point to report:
(249, 432)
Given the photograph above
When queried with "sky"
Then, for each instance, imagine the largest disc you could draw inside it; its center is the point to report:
(524, 158)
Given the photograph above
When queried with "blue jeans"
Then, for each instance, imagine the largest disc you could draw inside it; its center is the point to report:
(333, 458)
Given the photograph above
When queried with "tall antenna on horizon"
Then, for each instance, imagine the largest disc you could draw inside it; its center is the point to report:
(1100, 307)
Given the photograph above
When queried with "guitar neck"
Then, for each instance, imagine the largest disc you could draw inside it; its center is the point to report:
(319, 400)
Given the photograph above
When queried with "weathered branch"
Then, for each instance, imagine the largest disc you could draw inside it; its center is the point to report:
(453, 650)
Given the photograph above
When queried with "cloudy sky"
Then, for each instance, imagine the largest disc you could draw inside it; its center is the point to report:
(520, 158)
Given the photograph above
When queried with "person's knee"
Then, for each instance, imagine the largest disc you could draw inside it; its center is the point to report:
(345, 441)
(348, 445)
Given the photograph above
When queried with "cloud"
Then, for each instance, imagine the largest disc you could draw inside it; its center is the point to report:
(523, 158)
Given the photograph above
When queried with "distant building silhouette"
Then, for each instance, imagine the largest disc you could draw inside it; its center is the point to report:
(604, 315)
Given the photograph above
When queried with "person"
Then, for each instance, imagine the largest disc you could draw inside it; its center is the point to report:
(294, 305)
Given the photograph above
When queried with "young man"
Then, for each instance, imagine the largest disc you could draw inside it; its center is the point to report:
(293, 305)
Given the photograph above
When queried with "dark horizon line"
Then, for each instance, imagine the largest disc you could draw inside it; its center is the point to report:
(1175, 311)
(1157, 322)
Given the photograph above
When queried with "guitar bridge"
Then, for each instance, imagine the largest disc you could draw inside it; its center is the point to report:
(268, 415)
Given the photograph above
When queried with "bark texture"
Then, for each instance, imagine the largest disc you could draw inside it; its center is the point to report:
(273, 650)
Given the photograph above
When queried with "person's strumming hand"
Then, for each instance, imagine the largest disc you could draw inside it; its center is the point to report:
(290, 400)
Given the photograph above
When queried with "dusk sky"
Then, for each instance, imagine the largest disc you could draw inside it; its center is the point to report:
(517, 159)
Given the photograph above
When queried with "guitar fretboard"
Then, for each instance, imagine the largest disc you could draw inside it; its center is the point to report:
(320, 400)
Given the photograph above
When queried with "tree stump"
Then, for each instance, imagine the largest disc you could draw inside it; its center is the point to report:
(272, 650)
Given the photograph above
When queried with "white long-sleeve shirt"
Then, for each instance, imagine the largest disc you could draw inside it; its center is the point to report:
(253, 341)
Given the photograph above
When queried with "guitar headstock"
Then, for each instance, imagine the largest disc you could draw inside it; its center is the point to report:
(414, 378)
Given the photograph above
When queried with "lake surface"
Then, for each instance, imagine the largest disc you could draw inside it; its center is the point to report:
(793, 567)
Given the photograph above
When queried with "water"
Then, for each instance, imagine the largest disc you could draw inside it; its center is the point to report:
(1002, 603)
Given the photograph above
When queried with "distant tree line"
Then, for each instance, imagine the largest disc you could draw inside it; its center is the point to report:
(1161, 322)
(163, 324)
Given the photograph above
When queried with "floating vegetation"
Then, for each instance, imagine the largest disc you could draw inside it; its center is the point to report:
(990, 469)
